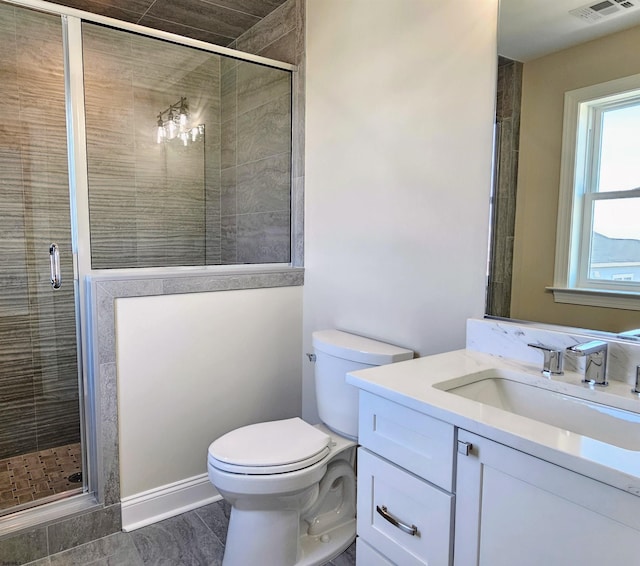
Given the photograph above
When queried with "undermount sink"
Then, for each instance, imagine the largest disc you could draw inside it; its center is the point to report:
(506, 391)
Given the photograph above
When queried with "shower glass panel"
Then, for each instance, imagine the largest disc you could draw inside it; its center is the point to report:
(39, 385)
(211, 189)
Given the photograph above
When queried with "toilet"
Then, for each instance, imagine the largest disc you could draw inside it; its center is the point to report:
(292, 485)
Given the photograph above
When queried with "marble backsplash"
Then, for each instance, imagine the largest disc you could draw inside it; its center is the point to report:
(509, 339)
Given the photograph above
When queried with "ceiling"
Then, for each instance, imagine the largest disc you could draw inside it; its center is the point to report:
(214, 21)
(529, 29)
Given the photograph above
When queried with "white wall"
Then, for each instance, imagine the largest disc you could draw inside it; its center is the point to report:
(192, 367)
(399, 118)
(400, 97)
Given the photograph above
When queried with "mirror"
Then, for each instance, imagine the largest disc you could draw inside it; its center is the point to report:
(545, 48)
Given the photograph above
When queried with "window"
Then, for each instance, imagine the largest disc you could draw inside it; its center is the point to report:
(598, 244)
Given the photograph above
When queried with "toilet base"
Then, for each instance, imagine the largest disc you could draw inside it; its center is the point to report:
(267, 537)
(315, 550)
(272, 539)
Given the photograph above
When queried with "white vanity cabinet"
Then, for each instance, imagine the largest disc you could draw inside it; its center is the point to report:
(405, 477)
(417, 486)
(513, 508)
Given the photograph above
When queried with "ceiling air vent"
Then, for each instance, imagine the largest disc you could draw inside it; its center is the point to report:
(600, 10)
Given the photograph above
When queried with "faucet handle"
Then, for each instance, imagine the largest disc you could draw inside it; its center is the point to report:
(586, 348)
(553, 359)
(595, 351)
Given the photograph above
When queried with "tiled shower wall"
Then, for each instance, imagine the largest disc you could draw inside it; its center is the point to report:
(509, 93)
(39, 406)
(227, 200)
(256, 163)
(150, 204)
(257, 197)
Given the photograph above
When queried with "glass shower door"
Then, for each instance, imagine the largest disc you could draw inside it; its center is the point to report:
(40, 431)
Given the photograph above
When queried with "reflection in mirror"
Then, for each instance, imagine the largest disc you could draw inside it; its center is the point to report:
(546, 48)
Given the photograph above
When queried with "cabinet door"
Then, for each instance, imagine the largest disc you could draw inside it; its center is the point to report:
(421, 511)
(512, 508)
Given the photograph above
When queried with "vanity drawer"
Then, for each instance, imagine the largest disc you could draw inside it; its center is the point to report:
(367, 556)
(414, 441)
(387, 494)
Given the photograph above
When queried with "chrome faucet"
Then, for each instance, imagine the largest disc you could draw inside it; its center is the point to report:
(553, 359)
(595, 351)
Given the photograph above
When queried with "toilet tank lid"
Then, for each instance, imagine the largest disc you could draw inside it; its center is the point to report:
(358, 348)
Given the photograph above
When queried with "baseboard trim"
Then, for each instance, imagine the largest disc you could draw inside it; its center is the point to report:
(167, 501)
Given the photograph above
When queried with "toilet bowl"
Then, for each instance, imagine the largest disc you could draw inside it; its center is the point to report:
(292, 485)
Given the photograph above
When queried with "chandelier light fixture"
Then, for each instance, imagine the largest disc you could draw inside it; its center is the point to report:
(173, 124)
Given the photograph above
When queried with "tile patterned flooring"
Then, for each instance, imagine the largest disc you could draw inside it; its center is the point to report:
(195, 538)
(29, 477)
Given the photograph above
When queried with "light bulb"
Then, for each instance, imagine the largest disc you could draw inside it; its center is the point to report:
(183, 122)
(161, 134)
(172, 129)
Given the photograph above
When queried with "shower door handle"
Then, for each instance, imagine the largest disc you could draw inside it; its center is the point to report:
(54, 262)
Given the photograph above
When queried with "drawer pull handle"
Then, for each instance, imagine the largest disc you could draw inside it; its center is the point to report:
(410, 530)
(464, 448)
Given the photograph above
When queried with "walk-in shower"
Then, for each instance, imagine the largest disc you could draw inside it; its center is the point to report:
(89, 182)
(39, 385)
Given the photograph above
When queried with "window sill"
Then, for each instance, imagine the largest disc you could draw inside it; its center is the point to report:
(596, 298)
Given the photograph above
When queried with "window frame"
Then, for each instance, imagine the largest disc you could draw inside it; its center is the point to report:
(578, 180)
(578, 171)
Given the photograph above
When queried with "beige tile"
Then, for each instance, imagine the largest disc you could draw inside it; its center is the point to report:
(56, 476)
(36, 474)
(26, 492)
(8, 504)
(46, 474)
(25, 498)
(6, 495)
(5, 481)
(22, 484)
(32, 460)
(41, 487)
(20, 472)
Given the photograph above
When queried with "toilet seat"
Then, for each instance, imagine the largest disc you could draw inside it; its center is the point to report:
(269, 448)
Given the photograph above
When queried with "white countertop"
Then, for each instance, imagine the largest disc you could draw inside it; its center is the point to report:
(411, 384)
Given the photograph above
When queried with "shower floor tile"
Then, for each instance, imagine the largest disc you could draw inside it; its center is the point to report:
(33, 476)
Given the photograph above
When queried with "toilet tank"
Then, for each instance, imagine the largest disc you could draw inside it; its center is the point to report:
(338, 353)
